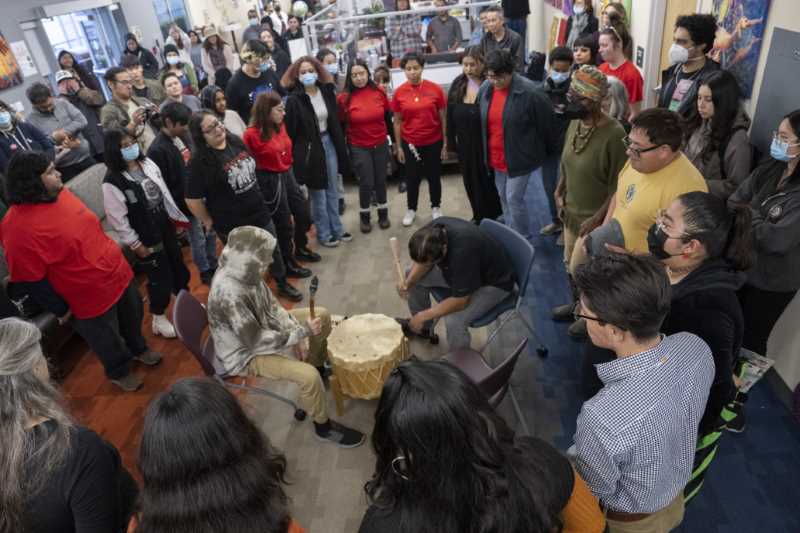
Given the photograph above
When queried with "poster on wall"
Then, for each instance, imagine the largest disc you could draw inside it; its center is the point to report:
(24, 58)
(10, 73)
(739, 37)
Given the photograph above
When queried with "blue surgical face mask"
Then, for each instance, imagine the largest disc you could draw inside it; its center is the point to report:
(173, 60)
(559, 77)
(332, 68)
(309, 78)
(265, 66)
(130, 153)
(5, 119)
(579, 10)
(780, 150)
(253, 22)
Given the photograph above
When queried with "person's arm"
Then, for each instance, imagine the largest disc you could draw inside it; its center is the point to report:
(398, 145)
(777, 237)
(744, 192)
(612, 205)
(90, 97)
(77, 122)
(452, 135)
(205, 61)
(116, 209)
(47, 144)
(450, 305)
(45, 295)
(429, 39)
(594, 460)
(199, 210)
(443, 118)
(518, 51)
(458, 36)
(192, 75)
(737, 161)
(149, 63)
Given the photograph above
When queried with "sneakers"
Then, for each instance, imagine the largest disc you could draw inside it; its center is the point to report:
(578, 329)
(332, 242)
(436, 212)
(345, 237)
(551, 229)
(337, 434)
(738, 423)
(128, 383)
(149, 358)
(409, 217)
(163, 327)
(563, 313)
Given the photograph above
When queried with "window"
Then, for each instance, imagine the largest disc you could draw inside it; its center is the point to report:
(169, 12)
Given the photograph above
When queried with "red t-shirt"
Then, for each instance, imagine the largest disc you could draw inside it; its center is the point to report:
(630, 77)
(274, 155)
(64, 243)
(419, 106)
(364, 115)
(497, 138)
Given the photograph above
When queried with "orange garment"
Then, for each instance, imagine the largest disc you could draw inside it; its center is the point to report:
(294, 527)
(582, 513)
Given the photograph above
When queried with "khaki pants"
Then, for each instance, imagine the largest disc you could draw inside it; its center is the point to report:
(285, 366)
(574, 253)
(662, 521)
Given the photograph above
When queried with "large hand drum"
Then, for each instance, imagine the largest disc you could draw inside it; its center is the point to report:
(363, 350)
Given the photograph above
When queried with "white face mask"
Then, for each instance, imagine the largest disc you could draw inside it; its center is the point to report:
(579, 10)
(678, 54)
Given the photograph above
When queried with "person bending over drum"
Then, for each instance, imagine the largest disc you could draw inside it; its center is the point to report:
(455, 257)
(254, 335)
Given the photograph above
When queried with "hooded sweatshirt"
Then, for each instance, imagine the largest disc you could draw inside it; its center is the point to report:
(244, 317)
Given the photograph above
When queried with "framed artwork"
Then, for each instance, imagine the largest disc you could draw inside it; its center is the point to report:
(739, 37)
(10, 73)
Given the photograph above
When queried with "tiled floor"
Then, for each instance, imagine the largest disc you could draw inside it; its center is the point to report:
(750, 488)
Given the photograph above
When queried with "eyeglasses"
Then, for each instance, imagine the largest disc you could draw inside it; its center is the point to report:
(637, 151)
(576, 314)
(124, 82)
(215, 125)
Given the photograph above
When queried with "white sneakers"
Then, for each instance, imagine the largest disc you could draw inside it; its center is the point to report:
(409, 217)
(163, 327)
(436, 212)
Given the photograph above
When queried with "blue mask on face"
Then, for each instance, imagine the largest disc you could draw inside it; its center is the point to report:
(332, 68)
(559, 77)
(131, 153)
(264, 67)
(309, 78)
(173, 60)
(780, 150)
(5, 119)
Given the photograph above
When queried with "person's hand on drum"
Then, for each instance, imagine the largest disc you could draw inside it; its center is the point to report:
(301, 350)
(314, 325)
(416, 323)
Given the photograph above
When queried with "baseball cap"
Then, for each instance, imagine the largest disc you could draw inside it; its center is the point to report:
(64, 75)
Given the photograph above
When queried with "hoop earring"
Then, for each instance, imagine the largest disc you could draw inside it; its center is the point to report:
(396, 470)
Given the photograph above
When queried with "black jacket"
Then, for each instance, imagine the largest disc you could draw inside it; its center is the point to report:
(688, 107)
(141, 220)
(705, 303)
(169, 159)
(591, 27)
(528, 124)
(515, 9)
(21, 138)
(558, 97)
(147, 59)
(309, 165)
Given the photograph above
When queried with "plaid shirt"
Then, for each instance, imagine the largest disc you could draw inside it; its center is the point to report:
(635, 440)
(405, 34)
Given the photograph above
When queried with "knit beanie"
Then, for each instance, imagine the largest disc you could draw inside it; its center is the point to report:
(588, 82)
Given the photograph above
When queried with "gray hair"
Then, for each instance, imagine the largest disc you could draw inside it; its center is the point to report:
(25, 398)
(619, 107)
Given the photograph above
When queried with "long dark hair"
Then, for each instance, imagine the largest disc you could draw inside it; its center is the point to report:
(724, 232)
(83, 74)
(726, 95)
(261, 117)
(459, 87)
(794, 122)
(112, 150)
(24, 178)
(350, 88)
(202, 151)
(449, 464)
(206, 467)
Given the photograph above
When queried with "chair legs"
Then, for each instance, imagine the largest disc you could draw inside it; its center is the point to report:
(541, 348)
(523, 425)
(299, 413)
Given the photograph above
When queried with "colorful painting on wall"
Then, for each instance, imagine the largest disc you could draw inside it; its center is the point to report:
(10, 73)
(739, 38)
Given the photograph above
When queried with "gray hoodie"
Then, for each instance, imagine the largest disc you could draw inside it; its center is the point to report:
(244, 317)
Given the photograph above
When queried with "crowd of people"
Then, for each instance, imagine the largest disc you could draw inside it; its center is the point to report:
(680, 252)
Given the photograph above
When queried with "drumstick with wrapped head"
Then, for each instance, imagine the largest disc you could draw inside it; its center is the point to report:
(312, 292)
(401, 278)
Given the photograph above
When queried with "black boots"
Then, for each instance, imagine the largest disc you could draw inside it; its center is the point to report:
(366, 225)
(383, 218)
(287, 291)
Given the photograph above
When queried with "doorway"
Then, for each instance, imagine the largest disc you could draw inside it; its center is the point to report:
(675, 8)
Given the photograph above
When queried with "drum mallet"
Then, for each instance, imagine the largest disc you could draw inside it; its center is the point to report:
(312, 292)
(401, 278)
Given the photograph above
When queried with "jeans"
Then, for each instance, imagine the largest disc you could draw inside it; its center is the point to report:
(481, 302)
(429, 166)
(325, 202)
(203, 245)
(116, 335)
(550, 171)
(370, 167)
(516, 212)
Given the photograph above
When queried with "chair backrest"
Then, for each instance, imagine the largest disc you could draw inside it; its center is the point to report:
(519, 250)
(190, 320)
(495, 385)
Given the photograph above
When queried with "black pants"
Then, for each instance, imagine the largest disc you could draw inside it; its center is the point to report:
(277, 268)
(166, 272)
(298, 206)
(369, 165)
(761, 310)
(70, 171)
(273, 188)
(429, 165)
(116, 335)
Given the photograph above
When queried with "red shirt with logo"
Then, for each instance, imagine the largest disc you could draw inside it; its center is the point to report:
(363, 113)
(64, 243)
(497, 138)
(419, 106)
(272, 155)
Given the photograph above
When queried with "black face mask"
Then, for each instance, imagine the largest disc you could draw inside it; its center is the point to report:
(656, 239)
(576, 111)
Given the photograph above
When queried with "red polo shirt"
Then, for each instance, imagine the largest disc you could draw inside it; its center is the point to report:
(273, 155)
(630, 77)
(419, 106)
(497, 150)
(363, 113)
(64, 243)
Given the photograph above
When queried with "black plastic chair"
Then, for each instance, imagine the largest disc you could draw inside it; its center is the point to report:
(190, 320)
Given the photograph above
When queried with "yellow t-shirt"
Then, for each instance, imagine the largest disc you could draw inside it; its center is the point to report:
(640, 196)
